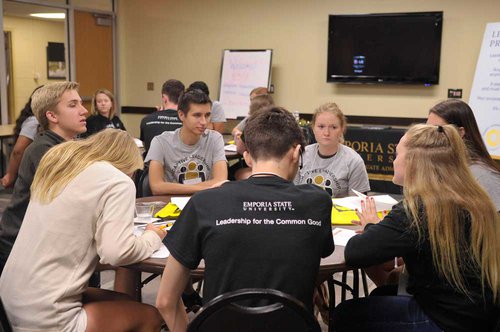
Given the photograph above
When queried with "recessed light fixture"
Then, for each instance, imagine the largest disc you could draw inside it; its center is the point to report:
(59, 16)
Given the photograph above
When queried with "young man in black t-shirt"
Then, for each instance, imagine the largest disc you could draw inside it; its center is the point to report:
(263, 232)
(165, 119)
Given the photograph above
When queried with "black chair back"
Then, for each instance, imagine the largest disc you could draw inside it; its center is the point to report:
(5, 324)
(236, 311)
(142, 185)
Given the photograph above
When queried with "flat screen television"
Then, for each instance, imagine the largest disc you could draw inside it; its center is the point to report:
(402, 48)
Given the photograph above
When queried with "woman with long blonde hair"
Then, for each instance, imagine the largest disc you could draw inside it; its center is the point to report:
(448, 232)
(81, 213)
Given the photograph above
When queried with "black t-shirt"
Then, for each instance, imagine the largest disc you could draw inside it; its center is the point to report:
(96, 123)
(156, 123)
(395, 237)
(263, 232)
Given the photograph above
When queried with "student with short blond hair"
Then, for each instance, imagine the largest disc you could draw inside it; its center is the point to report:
(59, 110)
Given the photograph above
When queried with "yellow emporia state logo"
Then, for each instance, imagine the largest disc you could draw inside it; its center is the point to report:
(192, 171)
(322, 182)
(492, 137)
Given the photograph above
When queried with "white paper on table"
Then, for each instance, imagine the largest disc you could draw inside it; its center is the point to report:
(140, 221)
(341, 236)
(180, 201)
(382, 202)
(230, 148)
(161, 253)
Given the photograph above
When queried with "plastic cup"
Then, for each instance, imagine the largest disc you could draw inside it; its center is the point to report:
(144, 212)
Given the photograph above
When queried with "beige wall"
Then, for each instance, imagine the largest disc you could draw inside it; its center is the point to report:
(184, 40)
(29, 54)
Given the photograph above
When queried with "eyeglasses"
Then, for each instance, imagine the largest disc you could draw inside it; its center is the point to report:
(301, 163)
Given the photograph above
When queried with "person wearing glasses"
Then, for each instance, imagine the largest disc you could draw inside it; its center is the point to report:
(263, 232)
(328, 163)
(448, 232)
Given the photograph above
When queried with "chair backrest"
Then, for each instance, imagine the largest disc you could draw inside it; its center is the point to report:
(5, 324)
(143, 188)
(234, 311)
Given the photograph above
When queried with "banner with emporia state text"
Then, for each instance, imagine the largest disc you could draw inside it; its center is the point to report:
(485, 93)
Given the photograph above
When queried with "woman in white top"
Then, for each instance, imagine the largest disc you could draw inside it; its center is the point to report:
(328, 163)
(81, 213)
(24, 133)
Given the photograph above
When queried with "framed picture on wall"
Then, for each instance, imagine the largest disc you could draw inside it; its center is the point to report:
(56, 61)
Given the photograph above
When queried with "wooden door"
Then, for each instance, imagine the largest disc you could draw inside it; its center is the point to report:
(93, 54)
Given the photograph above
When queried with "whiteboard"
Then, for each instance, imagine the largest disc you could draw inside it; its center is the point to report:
(242, 71)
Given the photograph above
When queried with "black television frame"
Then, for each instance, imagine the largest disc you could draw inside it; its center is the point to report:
(381, 79)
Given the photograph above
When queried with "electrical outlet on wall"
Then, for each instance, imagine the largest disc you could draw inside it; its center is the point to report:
(150, 86)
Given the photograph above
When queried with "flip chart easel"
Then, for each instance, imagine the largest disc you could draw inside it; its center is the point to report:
(242, 71)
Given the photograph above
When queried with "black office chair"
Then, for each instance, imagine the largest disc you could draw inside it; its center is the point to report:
(230, 312)
(4, 320)
(143, 188)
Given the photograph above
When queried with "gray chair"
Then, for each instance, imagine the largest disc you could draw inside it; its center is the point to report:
(252, 310)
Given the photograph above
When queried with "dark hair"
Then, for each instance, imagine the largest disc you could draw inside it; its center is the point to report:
(192, 97)
(271, 134)
(199, 85)
(173, 90)
(259, 102)
(459, 113)
(26, 112)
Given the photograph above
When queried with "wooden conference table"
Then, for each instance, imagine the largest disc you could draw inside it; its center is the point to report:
(330, 265)
(6, 132)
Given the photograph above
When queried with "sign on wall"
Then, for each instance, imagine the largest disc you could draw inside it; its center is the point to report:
(485, 93)
(377, 147)
(56, 61)
(242, 71)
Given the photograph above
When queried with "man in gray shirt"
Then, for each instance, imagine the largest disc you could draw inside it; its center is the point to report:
(218, 118)
(191, 158)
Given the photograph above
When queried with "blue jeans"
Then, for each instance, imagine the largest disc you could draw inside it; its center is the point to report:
(382, 313)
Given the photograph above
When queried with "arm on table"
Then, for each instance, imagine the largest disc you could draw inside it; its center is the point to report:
(15, 160)
(173, 281)
(159, 186)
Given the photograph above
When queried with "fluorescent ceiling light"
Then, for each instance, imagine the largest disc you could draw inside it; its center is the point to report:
(49, 15)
